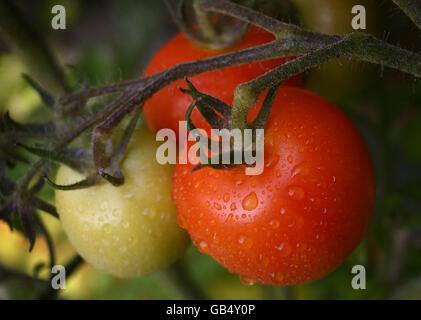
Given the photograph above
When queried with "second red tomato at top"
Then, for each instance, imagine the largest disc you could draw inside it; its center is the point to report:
(168, 106)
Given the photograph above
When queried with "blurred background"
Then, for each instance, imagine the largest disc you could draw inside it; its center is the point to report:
(110, 41)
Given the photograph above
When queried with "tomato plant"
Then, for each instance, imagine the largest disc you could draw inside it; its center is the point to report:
(130, 230)
(169, 105)
(301, 217)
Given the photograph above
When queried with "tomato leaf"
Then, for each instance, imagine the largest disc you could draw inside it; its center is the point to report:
(47, 98)
(26, 217)
(77, 159)
(89, 181)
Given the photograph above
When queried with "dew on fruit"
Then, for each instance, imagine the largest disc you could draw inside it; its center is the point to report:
(128, 195)
(283, 211)
(125, 224)
(115, 212)
(107, 228)
(245, 241)
(274, 224)
(296, 193)
(250, 202)
(217, 206)
(290, 159)
(230, 218)
(285, 249)
(247, 281)
(203, 246)
(301, 169)
(226, 197)
(103, 205)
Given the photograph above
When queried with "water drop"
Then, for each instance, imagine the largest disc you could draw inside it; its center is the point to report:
(296, 193)
(247, 281)
(107, 228)
(226, 197)
(217, 206)
(103, 205)
(203, 246)
(285, 249)
(274, 224)
(301, 169)
(250, 202)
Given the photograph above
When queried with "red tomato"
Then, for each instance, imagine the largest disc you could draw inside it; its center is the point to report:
(169, 105)
(299, 219)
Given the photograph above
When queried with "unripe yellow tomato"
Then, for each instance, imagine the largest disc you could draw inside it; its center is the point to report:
(130, 230)
(339, 78)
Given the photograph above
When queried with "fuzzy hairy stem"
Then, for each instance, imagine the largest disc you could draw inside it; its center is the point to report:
(357, 45)
(412, 9)
(203, 21)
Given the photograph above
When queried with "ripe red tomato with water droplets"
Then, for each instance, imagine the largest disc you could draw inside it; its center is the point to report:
(168, 106)
(301, 218)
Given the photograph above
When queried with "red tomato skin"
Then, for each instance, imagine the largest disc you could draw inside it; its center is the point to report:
(168, 106)
(304, 215)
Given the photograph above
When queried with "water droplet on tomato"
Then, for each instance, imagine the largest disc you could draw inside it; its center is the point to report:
(245, 241)
(247, 281)
(203, 246)
(302, 169)
(274, 224)
(290, 159)
(233, 206)
(273, 161)
(226, 197)
(250, 202)
(103, 205)
(285, 249)
(107, 228)
(217, 206)
(230, 218)
(296, 193)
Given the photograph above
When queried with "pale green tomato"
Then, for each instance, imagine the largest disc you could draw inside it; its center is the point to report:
(126, 231)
